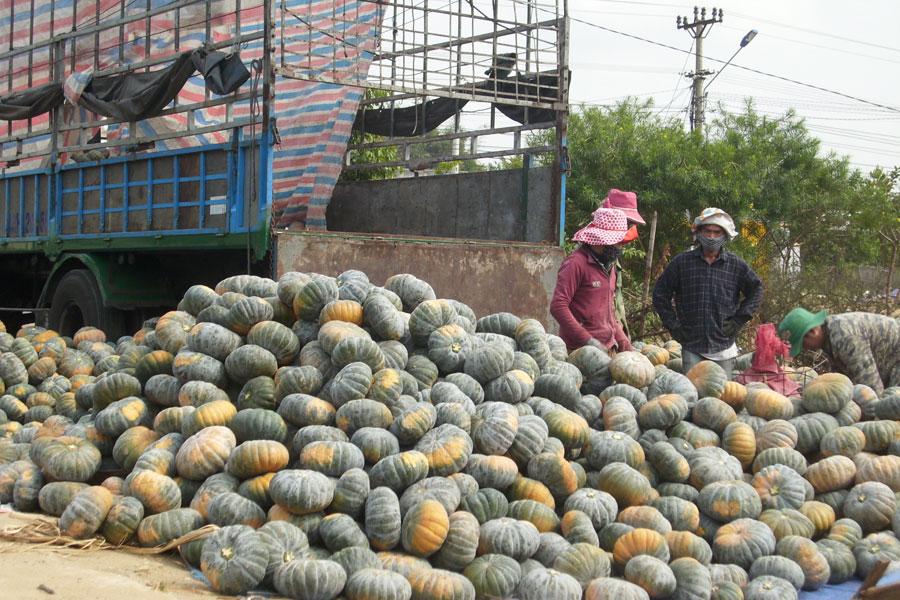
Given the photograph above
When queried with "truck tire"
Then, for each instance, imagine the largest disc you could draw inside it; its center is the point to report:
(77, 302)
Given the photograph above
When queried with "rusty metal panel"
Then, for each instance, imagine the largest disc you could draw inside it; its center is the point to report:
(517, 278)
(485, 206)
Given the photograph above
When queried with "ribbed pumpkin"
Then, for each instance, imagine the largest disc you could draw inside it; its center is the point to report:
(786, 522)
(85, 513)
(663, 411)
(438, 584)
(122, 520)
(376, 443)
(300, 491)
(205, 452)
(821, 514)
(339, 531)
(734, 395)
(70, 459)
(831, 473)
(157, 492)
(652, 574)
(447, 448)
(686, 544)
(380, 584)
(768, 404)
(55, 496)
(871, 504)
(313, 579)
(256, 457)
(742, 541)
(425, 528)
(768, 587)
(709, 379)
(632, 368)
(779, 487)
(461, 545)
(726, 501)
(827, 393)
(302, 410)
(230, 508)
(805, 553)
(493, 575)
(628, 486)
(604, 588)
(637, 542)
(234, 559)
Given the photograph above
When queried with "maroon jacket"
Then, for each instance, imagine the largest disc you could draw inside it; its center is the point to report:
(583, 303)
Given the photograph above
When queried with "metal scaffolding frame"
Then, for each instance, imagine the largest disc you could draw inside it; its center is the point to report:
(476, 51)
(82, 36)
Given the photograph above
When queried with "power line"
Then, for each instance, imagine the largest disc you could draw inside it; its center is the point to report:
(814, 32)
(749, 69)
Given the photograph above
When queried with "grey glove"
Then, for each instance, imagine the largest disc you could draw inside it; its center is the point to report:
(730, 328)
(679, 334)
(593, 342)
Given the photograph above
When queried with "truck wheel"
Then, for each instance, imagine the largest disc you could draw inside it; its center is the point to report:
(77, 302)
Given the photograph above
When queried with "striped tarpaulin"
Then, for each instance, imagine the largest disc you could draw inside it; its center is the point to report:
(314, 119)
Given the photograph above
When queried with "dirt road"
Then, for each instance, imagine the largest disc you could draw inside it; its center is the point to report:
(35, 571)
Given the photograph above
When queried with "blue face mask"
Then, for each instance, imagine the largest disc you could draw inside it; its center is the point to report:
(711, 244)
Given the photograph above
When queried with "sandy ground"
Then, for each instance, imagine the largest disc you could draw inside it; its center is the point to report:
(34, 571)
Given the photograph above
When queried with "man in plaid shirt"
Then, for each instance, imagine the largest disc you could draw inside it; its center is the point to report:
(715, 293)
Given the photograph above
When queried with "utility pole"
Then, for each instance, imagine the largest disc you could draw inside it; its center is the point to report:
(698, 30)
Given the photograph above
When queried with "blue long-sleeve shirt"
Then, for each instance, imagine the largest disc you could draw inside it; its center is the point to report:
(705, 296)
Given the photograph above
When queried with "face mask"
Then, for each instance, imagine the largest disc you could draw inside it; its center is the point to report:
(610, 254)
(710, 244)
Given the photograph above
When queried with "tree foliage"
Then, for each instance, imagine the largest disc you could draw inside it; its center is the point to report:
(808, 221)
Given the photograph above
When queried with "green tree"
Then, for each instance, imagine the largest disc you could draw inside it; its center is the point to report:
(437, 148)
(766, 172)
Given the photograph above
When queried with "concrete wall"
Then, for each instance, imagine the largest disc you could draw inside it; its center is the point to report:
(473, 206)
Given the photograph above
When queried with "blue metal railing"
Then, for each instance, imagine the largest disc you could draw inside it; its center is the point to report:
(77, 201)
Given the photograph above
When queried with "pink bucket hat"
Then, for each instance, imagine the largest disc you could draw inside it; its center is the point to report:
(626, 202)
(608, 227)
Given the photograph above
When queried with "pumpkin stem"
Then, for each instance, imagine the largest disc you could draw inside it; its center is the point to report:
(227, 553)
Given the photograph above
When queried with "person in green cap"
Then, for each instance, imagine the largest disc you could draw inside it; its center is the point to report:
(863, 346)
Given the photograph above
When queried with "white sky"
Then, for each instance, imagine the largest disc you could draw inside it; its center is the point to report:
(848, 47)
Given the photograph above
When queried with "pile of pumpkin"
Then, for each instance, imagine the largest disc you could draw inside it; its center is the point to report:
(376, 442)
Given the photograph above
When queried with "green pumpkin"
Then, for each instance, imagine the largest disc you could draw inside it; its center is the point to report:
(301, 491)
(493, 575)
(377, 583)
(841, 562)
(352, 382)
(461, 544)
(160, 529)
(651, 574)
(610, 587)
(339, 531)
(122, 520)
(726, 501)
(234, 559)
(55, 496)
(70, 459)
(230, 508)
(742, 541)
(258, 424)
(350, 492)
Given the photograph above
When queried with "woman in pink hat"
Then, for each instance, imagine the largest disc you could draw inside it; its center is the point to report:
(627, 203)
(583, 300)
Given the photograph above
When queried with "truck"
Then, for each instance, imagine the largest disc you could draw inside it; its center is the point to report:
(151, 146)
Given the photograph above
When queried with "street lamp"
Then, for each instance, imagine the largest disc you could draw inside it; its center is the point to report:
(746, 40)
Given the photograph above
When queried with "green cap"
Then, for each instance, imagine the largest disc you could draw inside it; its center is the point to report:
(798, 322)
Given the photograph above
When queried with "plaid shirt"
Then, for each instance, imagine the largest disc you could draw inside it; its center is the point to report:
(706, 295)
